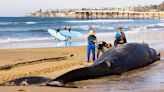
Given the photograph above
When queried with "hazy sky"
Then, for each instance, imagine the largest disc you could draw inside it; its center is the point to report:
(21, 7)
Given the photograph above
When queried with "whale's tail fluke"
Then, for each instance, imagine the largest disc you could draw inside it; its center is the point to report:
(81, 74)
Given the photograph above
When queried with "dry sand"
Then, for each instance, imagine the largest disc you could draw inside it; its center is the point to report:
(47, 62)
(44, 62)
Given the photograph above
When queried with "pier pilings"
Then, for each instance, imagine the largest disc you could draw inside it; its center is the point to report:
(118, 14)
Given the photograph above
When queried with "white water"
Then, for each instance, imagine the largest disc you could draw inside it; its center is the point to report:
(9, 40)
(12, 23)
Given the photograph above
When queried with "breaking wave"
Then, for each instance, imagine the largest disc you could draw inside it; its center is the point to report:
(9, 40)
(15, 23)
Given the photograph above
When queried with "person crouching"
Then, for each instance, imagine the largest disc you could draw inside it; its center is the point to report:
(101, 46)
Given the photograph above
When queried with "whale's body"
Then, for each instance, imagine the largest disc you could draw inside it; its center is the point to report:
(115, 61)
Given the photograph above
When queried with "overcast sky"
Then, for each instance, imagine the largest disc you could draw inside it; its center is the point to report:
(21, 7)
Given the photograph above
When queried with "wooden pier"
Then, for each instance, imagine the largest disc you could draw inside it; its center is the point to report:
(94, 14)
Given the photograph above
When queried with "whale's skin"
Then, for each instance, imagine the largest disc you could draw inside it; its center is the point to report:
(26, 81)
(115, 61)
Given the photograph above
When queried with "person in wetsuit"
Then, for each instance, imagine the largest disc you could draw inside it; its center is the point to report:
(101, 46)
(58, 30)
(69, 29)
(91, 45)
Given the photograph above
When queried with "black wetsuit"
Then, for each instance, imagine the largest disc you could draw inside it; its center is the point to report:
(58, 30)
(69, 37)
(69, 29)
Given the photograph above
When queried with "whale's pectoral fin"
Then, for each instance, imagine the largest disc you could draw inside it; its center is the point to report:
(55, 83)
(59, 84)
(117, 70)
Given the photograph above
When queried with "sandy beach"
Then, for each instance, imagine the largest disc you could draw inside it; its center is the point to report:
(44, 47)
(47, 62)
(50, 62)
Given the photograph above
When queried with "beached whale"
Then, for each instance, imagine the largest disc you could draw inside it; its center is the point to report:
(115, 61)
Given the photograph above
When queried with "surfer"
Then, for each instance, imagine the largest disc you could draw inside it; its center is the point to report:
(58, 30)
(91, 45)
(65, 28)
(69, 29)
(120, 37)
(101, 46)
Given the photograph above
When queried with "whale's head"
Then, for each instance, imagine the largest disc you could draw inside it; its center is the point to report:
(154, 55)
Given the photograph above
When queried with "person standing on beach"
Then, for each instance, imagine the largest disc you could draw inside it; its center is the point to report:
(120, 37)
(91, 44)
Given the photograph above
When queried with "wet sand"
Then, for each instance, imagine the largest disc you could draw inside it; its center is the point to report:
(42, 89)
(52, 62)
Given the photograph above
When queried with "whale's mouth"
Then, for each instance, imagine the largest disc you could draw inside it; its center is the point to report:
(159, 56)
(155, 56)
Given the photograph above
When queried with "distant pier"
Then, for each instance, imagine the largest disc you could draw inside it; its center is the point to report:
(87, 14)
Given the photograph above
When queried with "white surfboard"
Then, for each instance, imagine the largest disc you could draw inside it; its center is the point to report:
(56, 34)
(73, 34)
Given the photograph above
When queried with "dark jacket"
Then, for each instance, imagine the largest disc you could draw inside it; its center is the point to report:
(120, 41)
(91, 40)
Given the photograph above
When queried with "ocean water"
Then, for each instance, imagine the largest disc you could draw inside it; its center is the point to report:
(27, 32)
